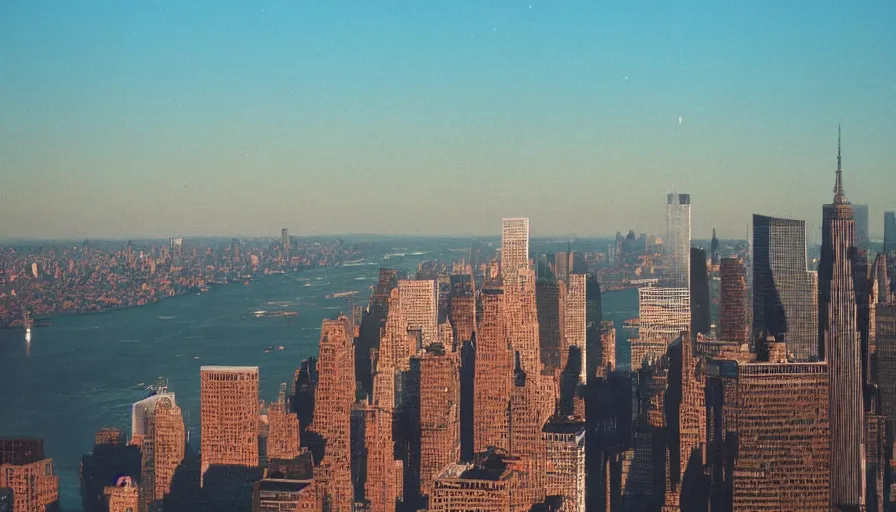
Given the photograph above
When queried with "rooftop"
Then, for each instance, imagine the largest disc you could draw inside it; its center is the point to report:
(253, 369)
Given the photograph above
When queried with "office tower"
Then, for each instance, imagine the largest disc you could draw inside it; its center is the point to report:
(462, 314)
(686, 418)
(514, 246)
(860, 213)
(419, 302)
(841, 344)
(229, 409)
(575, 324)
(521, 321)
(494, 375)
(332, 411)
(27, 474)
(606, 362)
(886, 358)
(284, 240)
(157, 427)
(124, 496)
(772, 418)
(487, 483)
(525, 435)
(467, 399)
(733, 317)
(561, 266)
(714, 250)
(550, 298)
(435, 402)
(283, 429)
(564, 442)
(664, 312)
(593, 327)
(784, 292)
(577, 263)
(678, 241)
(288, 485)
(700, 302)
(878, 451)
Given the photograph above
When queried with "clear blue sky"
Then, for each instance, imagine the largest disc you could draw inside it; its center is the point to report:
(152, 118)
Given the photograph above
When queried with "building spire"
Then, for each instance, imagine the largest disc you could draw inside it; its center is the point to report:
(839, 196)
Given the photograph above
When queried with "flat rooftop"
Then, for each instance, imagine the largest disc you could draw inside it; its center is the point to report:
(242, 369)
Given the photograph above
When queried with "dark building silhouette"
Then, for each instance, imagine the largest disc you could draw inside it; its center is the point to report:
(6, 498)
(714, 249)
(467, 394)
(733, 317)
(593, 326)
(784, 292)
(701, 312)
(860, 214)
(550, 296)
(841, 345)
(890, 245)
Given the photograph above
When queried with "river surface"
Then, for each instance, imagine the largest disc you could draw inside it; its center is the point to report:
(82, 372)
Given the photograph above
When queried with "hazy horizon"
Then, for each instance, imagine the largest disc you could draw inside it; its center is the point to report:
(122, 120)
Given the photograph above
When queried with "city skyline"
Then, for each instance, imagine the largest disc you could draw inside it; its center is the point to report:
(126, 122)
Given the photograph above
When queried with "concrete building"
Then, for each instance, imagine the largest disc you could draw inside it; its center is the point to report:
(462, 313)
(664, 312)
(333, 401)
(229, 408)
(493, 376)
(525, 440)
(774, 417)
(514, 246)
(564, 441)
(419, 303)
(283, 429)
(157, 427)
(27, 474)
(575, 323)
(677, 244)
(124, 496)
(288, 486)
(488, 483)
(733, 316)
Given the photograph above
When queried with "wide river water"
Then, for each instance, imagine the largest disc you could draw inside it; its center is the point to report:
(82, 372)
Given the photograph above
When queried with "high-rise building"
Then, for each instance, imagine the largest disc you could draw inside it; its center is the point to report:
(288, 486)
(593, 329)
(550, 297)
(840, 341)
(886, 358)
(283, 429)
(575, 324)
(28, 474)
(714, 250)
(284, 240)
(701, 313)
(494, 375)
(435, 397)
(157, 426)
(487, 483)
(229, 408)
(124, 496)
(419, 302)
(462, 314)
(678, 241)
(733, 317)
(890, 245)
(333, 401)
(860, 213)
(564, 441)
(772, 418)
(664, 312)
(525, 435)
(784, 292)
(514, 246)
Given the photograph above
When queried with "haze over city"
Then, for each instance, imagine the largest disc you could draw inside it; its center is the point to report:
(160, 119)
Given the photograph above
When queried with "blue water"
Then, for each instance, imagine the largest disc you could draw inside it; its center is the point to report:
(80, 373)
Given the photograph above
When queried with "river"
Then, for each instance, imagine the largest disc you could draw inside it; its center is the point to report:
(82, 372)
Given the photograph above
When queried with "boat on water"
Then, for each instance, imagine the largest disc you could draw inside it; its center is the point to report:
(342, 295)
(260, 313)
(273, 348)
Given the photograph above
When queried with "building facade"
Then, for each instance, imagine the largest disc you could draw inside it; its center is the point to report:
(419, 303)
(229, 408)
(664, 312)
(514, 246)
(733, 316)
(564, 442)
(677, 245)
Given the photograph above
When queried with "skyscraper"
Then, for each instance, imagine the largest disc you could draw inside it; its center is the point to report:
(678, 241)
(525, 435)
(283, 429)
(419, 303)
(714, 249)
(514, 246)
(664, 312)
(25, 470)
(784, 292)
(733, 317)
(565, 461)
(284, 240)
(157, 426)
(575, 324)
(229, 409)
(493, 377)
(333, 401)
(890, 244)
(462, 313)
(841, 345)
(701, 314)
(860, 213)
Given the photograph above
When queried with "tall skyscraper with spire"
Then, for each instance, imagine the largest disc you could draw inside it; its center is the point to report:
(678, 240)
(840, 344)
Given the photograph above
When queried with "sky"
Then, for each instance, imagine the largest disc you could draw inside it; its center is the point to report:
(155, 118)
